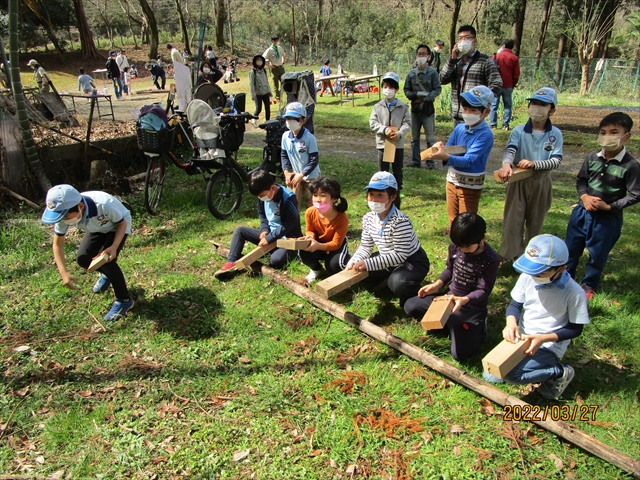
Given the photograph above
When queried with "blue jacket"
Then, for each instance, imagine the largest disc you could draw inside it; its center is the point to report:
(289, 221)
(479, 142)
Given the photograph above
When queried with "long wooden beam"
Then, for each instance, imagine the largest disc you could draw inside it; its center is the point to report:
(559, 428)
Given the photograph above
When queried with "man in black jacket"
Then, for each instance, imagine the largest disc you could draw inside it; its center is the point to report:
(113, 72)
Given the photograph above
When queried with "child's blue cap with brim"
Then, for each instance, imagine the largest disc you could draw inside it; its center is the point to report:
(542, 253)
(382, 181)
(479, 97)
(60, 199)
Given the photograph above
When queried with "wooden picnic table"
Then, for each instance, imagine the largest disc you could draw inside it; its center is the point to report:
(73, 97)
(335, 76)
(352, 80)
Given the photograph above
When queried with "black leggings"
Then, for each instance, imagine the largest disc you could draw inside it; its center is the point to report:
(334, 261)
(466, 327)
(398, 164)
(263, 99)
(90, 246)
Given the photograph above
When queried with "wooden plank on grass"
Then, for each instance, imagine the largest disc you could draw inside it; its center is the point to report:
(254, 255)
(436, 317)
(340, 281)
(517, 175)
(98, 261)
(452, 150)
(504, 357)
(389, 147)
(293, 244)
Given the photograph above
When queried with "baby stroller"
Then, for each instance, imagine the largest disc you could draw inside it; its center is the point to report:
(230, 74)
(133, 71)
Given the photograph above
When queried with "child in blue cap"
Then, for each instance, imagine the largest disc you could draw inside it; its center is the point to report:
(465, 177)
(107, 223)
(548, 307)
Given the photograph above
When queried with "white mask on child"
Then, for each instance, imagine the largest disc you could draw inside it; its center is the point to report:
(73, 221)
(389, 93)
(541, 280)
(293, 125)
(471, 119)
(538, 113)
(610, 143)
(377, 207)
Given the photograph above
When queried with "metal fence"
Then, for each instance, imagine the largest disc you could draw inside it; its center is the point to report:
(606, 76)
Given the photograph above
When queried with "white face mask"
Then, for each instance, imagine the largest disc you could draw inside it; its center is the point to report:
(266, 198)
(541, 280)
(610, 143)
(421, 61)
(293, 125)
(538, 113)
(377, 207)
(389, 93)
(465, 46)
(73, 221)
(437, 49)
(206, 70)
(471, 118)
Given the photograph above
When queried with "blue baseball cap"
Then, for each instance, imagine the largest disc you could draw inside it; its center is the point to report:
(60, 199)
(546, 95)
(391, 76)
(479, 97)
(295, 110)
(382, 181)
(542, 253)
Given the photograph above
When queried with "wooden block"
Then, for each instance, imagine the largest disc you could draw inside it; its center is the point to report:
(452, 150)
(340, 281)
(517, 175)
(504, 357)
(389, 147)
(438, 313)
(293, 244)
(254, 255)
(98, 261)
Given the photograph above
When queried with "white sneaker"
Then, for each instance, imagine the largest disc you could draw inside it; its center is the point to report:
(253, 122)
(313, 275)
(552, 389)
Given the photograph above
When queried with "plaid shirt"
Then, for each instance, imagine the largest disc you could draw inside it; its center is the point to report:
(480, 71)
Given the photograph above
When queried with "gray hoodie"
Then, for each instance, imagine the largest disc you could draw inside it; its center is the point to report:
(381, 118)
(258, 79)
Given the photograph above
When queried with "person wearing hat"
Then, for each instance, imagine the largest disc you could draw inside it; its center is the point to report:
(390, 112)
(260, 89)
(121, 60)
(535, 145)
(400, 258)
(299, 153)
(549, 308)
(466, 69)
(40, 76)
(465, 177)
(114, 73)
(106, 223)
(274, 55)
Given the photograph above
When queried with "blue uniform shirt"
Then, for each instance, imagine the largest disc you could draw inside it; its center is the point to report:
(537, 146)
(300, 153)
(102, 213)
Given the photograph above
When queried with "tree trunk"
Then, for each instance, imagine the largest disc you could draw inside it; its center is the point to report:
(518, 27)
(220, 24)
(548, 5)
(562, 43)
(319, 24)
(453, 34)
(584, 80)
(230, 23)
(183, 27)
(153, 27)
(88, 46)
(293, 43)
(18, 95)
(52, 36)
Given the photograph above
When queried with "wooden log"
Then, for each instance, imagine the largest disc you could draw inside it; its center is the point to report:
(389, 147)
(340, 281)
(21, 198)
(436, 317)
(517, 175)
(254, 255)
(562, 429)
(98, 261)
(293, 244)
(452, 150)
(504, 357)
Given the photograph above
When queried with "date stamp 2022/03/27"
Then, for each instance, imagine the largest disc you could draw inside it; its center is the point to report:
(533, 413)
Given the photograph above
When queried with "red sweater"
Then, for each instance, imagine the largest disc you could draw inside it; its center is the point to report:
(330, 233)
(509, 67)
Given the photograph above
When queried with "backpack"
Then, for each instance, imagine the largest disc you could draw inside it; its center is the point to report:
(153, 118)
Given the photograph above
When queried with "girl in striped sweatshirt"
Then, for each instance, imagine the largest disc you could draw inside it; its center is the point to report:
(400, 258)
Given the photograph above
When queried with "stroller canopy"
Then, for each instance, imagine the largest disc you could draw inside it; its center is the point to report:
(203, 120)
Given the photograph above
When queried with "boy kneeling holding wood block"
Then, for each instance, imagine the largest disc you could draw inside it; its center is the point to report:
(472, 267)
(548, 308)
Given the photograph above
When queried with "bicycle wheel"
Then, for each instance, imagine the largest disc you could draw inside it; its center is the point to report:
(224, 193)
(153, 183)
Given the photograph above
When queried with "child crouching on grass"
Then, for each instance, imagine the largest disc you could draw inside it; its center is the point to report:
(327, 225)
(548, 307)
(279, 218)
(400, 258)
(472, 267)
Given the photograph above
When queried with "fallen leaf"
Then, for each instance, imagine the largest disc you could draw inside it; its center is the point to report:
(315, 453)
(456, 450)
(616, 302)
(333, 463)
(56, 475)
(158, 460)
(487, 407)
(40, 460)
(244, 360)
(427, 437)
(241, 455)
(85, 393)
(22, 348)
(557, 462)
(457, 429)
(22, 392)
(579, 400)
(351, 469)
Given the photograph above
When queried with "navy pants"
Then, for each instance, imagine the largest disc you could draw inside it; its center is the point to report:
(90, 246)
(599, 232)
(466, 327)
(334, 262)
(279, 257)
(263, 100)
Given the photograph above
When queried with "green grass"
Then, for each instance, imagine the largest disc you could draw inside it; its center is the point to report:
(202, 369)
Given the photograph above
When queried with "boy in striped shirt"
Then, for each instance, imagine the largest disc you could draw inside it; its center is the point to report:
(536, 145)
(608, 181)
(400, 258)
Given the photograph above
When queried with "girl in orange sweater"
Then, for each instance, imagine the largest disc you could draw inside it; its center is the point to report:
(327, 225)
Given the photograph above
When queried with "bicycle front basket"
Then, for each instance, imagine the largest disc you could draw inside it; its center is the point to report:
(156, 141)
(232, 132)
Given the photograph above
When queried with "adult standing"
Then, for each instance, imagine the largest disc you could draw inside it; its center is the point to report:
(40, 76)
(121, 60)
(434, 58)
(509, 68)
(467, 68)
(422, 86)
(174, 53)
(114, 74)
(260, 90)
(274, 55)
